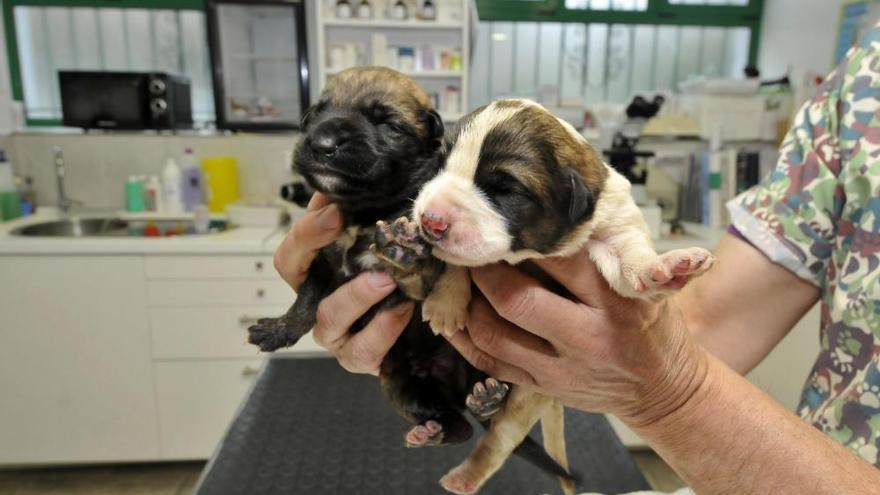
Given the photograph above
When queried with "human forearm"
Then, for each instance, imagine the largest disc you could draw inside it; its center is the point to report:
(727, 436)
(744, 306)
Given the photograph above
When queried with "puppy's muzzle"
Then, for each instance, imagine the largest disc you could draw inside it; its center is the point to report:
(324, 145)
(434, 227)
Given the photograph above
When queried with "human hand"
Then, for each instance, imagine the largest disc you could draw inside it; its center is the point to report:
(361, 352)
(596, 351)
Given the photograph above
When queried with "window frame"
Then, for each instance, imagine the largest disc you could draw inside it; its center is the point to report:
(11, 33)
(659, 12)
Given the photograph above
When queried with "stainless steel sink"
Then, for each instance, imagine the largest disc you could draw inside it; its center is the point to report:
(76, 227)
(113, 227)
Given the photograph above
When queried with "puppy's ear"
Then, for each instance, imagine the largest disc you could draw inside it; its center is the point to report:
(581, 201)
(433, 125)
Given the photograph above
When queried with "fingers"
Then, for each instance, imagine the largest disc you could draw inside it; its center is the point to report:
(503, 340)
(338, 311)
(487, 363)
(521, 300)
(319, 227)
(364, 351)
(579, 275)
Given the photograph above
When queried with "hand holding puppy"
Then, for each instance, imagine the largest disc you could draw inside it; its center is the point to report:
(598, 351)
(361, 352)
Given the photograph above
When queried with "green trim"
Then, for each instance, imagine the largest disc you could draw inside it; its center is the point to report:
(117, 4)
(44, 123)
(12, 35)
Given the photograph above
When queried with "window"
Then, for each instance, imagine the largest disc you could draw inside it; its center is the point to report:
(592, 51)
(122, 35)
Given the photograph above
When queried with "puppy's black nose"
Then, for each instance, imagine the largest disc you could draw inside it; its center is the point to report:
(324, 145)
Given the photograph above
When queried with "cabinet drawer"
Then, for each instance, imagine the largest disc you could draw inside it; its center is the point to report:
(197, 401)
(212, 267)
(206, 332)
(219, 292)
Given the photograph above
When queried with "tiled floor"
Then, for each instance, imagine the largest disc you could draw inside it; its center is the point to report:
(180, 479)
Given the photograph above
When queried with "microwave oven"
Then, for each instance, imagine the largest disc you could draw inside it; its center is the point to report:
(125, 100)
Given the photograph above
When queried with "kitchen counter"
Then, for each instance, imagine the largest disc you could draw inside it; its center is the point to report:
(239, 240)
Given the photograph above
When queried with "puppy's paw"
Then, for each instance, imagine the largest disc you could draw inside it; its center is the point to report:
(445, 317)
(673, 270)
(270, 334)
(399, 244)
(430, 433)
(486, 398)
(460, 481)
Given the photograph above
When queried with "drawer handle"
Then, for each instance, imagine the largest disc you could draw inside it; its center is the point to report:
(259, 266)
(248, 371)
(248, 320)
(261, 293)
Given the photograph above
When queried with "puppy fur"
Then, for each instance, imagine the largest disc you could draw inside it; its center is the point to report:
(370, 144)
(520, 184)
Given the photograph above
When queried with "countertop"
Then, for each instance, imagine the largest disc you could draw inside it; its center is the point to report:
(239, 240)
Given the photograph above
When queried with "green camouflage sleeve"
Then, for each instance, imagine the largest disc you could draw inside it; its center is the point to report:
(791, 216)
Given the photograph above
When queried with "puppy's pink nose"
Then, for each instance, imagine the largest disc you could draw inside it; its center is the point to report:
(434, 226)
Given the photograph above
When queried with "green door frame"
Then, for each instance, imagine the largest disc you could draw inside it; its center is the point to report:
(659, 12)
(12, 34)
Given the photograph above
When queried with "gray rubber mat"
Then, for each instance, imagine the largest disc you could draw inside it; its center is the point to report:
(309, 427)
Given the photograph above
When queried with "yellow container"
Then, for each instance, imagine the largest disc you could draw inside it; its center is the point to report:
(221, 182)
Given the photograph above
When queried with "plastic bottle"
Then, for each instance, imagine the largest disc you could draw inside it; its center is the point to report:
(134, 194)
(193, 181)
(172, 187)
(153, 194)
(10, 202)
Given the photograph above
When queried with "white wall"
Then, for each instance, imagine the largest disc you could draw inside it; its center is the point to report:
(798, 34)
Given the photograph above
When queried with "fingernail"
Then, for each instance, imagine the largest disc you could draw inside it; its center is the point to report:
(379, 280)
(328, 217)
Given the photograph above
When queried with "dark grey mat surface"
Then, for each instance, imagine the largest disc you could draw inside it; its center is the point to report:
(309, 427)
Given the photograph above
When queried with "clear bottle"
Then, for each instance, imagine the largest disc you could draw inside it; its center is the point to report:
(172, 187)
(153, 194)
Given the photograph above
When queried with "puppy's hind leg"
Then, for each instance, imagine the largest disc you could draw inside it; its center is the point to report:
(509, 427)
(553, 431)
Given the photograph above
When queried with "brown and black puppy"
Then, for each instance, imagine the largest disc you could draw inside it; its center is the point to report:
(520, 184)
(370, 144)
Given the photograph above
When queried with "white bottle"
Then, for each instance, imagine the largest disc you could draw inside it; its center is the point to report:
(172, 187)
(153, 194)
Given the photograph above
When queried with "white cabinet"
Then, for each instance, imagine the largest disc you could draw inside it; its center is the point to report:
(199, 310)
(75, 366)
(128, 358)
(197, 402)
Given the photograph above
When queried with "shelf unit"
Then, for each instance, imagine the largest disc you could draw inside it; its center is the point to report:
(445, 31)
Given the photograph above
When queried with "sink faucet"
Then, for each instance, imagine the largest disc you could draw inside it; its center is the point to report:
(64, 203)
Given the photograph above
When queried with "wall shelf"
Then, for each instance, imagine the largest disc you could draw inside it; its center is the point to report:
(392, 24)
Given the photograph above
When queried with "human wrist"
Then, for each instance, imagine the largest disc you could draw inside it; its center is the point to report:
(679, 379)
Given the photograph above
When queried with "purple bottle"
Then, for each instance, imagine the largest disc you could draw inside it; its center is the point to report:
(193, 181)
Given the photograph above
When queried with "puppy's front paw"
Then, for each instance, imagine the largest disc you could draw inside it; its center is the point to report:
(399, 244)
(445, 317)
(673, 270)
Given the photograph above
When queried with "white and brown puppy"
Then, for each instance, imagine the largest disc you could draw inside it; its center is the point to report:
(521, 184)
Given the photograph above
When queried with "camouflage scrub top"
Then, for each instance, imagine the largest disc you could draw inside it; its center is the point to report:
(818, 215)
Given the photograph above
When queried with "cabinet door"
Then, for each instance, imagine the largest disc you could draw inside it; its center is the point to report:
(75, 370)
(197, 401)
